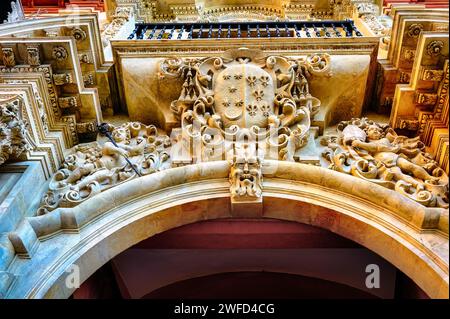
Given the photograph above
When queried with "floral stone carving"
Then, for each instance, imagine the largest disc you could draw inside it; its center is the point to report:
(374, 152)
(96, 167)
(13, 141)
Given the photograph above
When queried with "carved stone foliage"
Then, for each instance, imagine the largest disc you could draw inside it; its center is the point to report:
(374, 152)
(246, 95)
(9, 59)
(33, 55)
(96, 167)
(13, 131)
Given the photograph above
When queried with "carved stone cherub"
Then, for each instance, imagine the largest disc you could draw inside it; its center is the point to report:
(374, 152)
(112, 159)
(95, 167)
(395, 156)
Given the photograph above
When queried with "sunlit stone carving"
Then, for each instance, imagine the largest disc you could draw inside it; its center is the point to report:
(246, 94)
(374, 152)
(13, 141)
(95, 167)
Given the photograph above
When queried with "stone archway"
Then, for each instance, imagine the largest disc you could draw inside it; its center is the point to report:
(129, 213)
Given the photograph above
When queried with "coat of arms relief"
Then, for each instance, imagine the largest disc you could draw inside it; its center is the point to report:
(245, 100)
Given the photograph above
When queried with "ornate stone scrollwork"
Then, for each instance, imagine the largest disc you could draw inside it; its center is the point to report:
(246, 95)
(374, 152)
(13, 141)
(96, 167)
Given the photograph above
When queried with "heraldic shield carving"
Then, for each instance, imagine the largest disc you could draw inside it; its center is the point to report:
(245, 93)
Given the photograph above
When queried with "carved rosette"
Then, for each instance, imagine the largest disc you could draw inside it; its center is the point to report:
(434, 48)
(414, 30)
(95, 167)
(79, 34)
(59, 53)
(13, 132)
(374, 152)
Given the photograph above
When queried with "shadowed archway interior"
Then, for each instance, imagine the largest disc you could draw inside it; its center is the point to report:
(245, 258)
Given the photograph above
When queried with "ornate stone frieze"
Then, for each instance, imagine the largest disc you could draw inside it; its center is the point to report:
(96, 167)
(87, 127)
(47, 72)
(434, 48)
(13, 140)
(374, 152)
(426, 98)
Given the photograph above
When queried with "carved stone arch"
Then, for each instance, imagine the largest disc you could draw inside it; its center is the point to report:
(138, 209)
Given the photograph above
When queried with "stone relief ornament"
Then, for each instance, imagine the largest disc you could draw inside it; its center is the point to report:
(245, 174)
(98, 166)
(245, 94)
(9, 59)
(414, 30)
(33, 55)
(434, 48)
(13, 132)
(79, 34)
(374, 152)
(60, 53)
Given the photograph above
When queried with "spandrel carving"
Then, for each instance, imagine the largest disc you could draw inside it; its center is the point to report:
(96, 167)
(374, 152)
